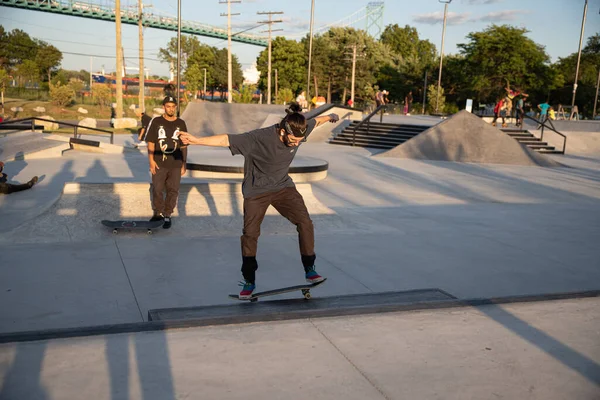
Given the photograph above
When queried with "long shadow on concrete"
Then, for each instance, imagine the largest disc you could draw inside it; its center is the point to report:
(573, 359)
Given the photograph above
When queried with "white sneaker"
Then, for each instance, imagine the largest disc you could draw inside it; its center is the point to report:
(142, 144)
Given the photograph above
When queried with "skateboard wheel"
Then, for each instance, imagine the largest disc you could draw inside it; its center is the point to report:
(253, 300)
(115, 231)
(149, 231)
(306, 293)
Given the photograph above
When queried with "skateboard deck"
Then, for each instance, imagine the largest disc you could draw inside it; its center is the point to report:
(304, 288)
(129, 224)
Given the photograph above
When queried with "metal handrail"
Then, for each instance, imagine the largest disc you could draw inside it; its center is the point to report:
(75, 126)
(551, 127)
(367, 119)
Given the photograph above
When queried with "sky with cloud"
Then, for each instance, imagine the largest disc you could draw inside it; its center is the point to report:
(555, 24)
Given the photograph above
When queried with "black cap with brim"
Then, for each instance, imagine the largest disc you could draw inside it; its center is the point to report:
(169, 99)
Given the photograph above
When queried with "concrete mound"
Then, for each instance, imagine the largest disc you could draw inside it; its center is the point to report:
(208, 118)
(466, 138)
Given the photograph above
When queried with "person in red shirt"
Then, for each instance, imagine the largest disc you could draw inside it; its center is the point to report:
(497, 109)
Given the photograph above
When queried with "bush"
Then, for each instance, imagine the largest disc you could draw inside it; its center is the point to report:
(245, 96)
(431, 99)
(451, 108)
(285, 96)
(102, 95)
(61, 95)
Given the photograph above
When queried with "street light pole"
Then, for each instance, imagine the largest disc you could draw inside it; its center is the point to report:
(204, 92)
(437, 97)
(596, 98)
(579, 54)
(312, 20)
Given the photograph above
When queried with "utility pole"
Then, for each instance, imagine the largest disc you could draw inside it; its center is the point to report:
(119, 80)
(596, 98)
(91, 70)
(353, 75)
(141, 62)
(204, 92)
(229, 68)
(437, 97)
(355, 57)
(277, 89)
(312, 21)
(579, 55)
(270, 22)
(424, 93)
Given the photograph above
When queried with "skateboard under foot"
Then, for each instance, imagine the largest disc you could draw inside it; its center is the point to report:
(305, 289)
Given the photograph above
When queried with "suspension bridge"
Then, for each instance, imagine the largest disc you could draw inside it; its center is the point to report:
(372, 13)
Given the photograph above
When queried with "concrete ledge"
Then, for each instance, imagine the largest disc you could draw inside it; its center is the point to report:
(444, 300)
(224, 166)
(95, 146)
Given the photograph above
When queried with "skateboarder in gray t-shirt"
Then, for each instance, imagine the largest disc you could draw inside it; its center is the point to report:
(268, 153)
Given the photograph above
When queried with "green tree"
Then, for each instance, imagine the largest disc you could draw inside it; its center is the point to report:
(16, 47)
(288, 58)
(245, 95)
(189, 45)
(4, 80)
(285, 96)
(588, 76)
(48, 58)
(433, 99)
(504, 54)
(411, 57)
(193, 76)
(28, 71)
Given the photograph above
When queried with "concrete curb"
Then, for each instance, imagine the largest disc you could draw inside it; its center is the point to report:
(48, 334)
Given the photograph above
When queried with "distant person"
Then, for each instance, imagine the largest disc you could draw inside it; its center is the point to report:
(350, 103)
(145, 119)
(498, 111)
(8, 188)
(301, 100)
(520, 107)
(167, 156)
(508, 105)
(380, 98)
(268, 153)
(551, 113)
(543, 107)
(169, 90)
(408, 103)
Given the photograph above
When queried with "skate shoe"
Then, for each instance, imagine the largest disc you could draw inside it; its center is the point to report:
(312, 276)
(247, 289)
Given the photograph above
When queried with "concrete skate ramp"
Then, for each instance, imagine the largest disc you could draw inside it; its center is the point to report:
(208, 118)
(203, 210)
(466, 138)
(25, 145)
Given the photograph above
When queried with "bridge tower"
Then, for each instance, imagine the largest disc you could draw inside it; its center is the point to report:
(375, 18)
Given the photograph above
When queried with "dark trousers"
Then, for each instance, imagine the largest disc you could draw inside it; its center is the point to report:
(290, 204)
(165, 180)
(8, 188)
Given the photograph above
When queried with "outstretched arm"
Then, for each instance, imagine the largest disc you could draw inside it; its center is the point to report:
(326, 118)
(215, 141)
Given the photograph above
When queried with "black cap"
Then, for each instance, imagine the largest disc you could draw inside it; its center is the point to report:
(169, 99)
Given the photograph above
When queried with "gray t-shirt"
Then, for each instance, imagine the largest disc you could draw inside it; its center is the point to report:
(266, 159)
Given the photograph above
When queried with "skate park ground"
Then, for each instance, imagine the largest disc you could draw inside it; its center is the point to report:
(469, 231)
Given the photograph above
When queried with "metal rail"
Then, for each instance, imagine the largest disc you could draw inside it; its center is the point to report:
(75, 126)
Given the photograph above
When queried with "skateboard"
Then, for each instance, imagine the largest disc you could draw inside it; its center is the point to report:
(148, 225)
(304, 288)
